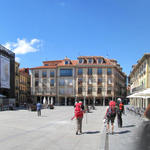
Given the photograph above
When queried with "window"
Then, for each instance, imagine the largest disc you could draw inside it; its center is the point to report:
(90, 81)
(44, 90)
(36, 83)
(80, 80)
(36, 74)
(52, 82)
(109, 89)
(89, 90)
(44, 74)
(80, 71)
(80, 61)
(66, 62)
(61, 91)
(100, 60)
(44, 82)
(99, 71)
(99, 80)
(52, 74)
(61, 82)
(69, 91)
(90, 60)
(99, 90)
(109, 71)
(80, 90)
(89, 71)
(65, 72)
(69, 82)
(109, 80)
(46, 65)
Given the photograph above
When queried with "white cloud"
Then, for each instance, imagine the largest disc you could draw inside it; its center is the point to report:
(23, 46)
(7, 45)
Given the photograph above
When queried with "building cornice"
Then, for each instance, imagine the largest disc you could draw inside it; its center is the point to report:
(146, 55)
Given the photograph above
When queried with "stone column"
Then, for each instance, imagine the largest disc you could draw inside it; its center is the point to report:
(84, 101)
(65, 101)
(58, 101)
(94, 101)
(48, 100)
(51, 101)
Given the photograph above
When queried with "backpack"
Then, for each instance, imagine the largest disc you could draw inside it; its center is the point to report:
(111, 112)
(78, 110)
(121, 107)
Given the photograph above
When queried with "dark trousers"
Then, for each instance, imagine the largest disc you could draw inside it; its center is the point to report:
(119, 118)
(39, 112)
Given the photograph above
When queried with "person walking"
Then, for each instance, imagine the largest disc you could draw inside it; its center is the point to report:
(119, 111)
(79, 110)
(110, 116)
(38, 108)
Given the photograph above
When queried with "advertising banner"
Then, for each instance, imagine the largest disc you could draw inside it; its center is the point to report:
(4, 72)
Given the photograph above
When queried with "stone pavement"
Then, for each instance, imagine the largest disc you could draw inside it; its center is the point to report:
(23, 130)
(124, 138)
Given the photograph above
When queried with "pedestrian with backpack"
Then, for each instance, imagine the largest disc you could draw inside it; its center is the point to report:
(119, 110)
(79, 110)
(110, 116)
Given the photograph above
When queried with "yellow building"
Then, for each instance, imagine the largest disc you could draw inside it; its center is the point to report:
(140, 82)
(17, 82)
(24, 86)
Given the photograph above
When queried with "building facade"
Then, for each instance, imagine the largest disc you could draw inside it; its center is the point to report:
(17, 80)
(7, 75)
(139, 79)
(24, 86)
(91, 79)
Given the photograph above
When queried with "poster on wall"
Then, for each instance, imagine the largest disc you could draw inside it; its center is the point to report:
(4, 72)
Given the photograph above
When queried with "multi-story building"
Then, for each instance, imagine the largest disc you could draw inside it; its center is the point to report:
(92, 79)
(17, 80)
(140, 82)
(7, 75)
(24, 86)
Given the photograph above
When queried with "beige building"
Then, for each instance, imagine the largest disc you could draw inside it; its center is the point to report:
(17, 82)
(140, 82)
(92, 79)
(24, 86)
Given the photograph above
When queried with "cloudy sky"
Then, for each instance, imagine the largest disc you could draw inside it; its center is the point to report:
(38, 30)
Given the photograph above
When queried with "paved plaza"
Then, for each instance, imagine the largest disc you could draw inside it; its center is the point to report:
(23, 130)
(125, 138)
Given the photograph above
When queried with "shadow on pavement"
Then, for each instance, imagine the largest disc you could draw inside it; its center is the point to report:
(128, 126)
(122, 132)
(91, 132)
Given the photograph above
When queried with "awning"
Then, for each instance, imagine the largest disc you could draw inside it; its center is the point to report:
(133, 96)
(144, 93)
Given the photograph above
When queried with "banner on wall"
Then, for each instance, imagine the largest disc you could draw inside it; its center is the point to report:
(4, 72)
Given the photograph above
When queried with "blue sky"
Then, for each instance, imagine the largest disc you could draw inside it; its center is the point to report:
(38, 30)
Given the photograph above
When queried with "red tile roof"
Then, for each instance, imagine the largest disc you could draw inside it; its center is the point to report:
(43, 67)
(61, 63)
